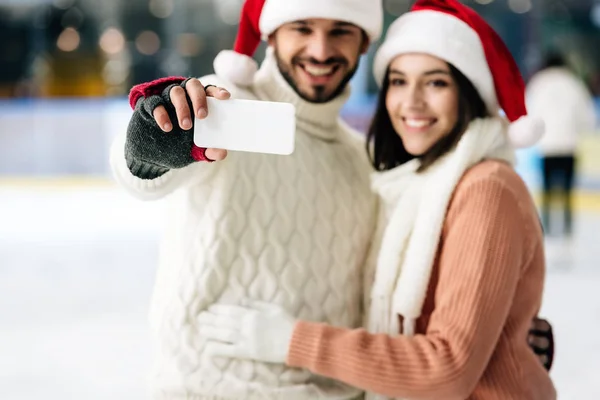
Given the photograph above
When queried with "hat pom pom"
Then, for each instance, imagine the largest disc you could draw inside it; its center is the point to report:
(235, 67)
(525, 131)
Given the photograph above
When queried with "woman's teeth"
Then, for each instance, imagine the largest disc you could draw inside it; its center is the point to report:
(417, 123)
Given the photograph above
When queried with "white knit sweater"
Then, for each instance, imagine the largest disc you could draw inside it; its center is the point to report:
(292, 230)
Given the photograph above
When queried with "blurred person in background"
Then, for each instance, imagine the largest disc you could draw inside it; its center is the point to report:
(291, 230)
(560, 98)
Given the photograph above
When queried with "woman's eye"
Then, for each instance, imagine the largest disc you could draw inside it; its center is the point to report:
(438, 83)
(396, 82)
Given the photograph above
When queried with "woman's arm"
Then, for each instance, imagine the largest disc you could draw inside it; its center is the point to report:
(483, 249)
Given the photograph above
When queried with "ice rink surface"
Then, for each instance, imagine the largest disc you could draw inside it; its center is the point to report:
(77, 266)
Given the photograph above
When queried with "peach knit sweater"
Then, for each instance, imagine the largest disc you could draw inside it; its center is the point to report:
(470, 341)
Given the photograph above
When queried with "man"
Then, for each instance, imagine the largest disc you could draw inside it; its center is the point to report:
(290, 230)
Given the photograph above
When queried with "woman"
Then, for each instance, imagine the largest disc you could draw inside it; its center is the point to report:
(460, 267)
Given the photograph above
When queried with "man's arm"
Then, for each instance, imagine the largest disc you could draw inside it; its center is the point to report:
(151, 159)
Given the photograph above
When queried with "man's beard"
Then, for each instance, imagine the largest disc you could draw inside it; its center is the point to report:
(320, 96)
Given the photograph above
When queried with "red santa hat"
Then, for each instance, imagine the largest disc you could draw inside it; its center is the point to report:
(456, 34)
(260, 18)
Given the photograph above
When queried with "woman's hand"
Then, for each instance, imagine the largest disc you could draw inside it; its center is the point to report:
(256, 331)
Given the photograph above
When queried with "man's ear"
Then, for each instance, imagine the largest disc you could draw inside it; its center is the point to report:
(364, 47)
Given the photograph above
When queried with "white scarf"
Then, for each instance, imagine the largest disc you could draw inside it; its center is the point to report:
(412, 235)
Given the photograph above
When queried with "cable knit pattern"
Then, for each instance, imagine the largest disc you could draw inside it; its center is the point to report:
(470, 340)
(291, 230)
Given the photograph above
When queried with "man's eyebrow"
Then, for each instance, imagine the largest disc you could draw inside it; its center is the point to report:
(337, 24)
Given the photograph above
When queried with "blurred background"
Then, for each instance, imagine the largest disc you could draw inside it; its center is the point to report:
(77, 255)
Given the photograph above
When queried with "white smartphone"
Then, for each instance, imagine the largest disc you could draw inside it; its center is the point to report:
(247, 125)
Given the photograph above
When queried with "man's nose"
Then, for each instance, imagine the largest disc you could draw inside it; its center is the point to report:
(320, 48)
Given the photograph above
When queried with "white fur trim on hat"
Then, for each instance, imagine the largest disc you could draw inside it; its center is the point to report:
(237, 68)
(525, 131)
(367, 14)
(443, 36)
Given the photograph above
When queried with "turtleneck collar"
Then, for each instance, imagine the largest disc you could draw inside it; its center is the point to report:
(318, 119)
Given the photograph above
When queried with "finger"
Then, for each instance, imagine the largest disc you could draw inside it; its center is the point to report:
(541, 324)
(195, 91)
(207, 318)
(539, 341)
(219, 334)
(161, 116)
(216, 154)
(544, 359)
(220, 321)
(216, 349)
(179, 99)
(235, 312)
(218, 93)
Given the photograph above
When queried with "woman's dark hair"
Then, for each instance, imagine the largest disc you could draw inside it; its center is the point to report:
(384, 145)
